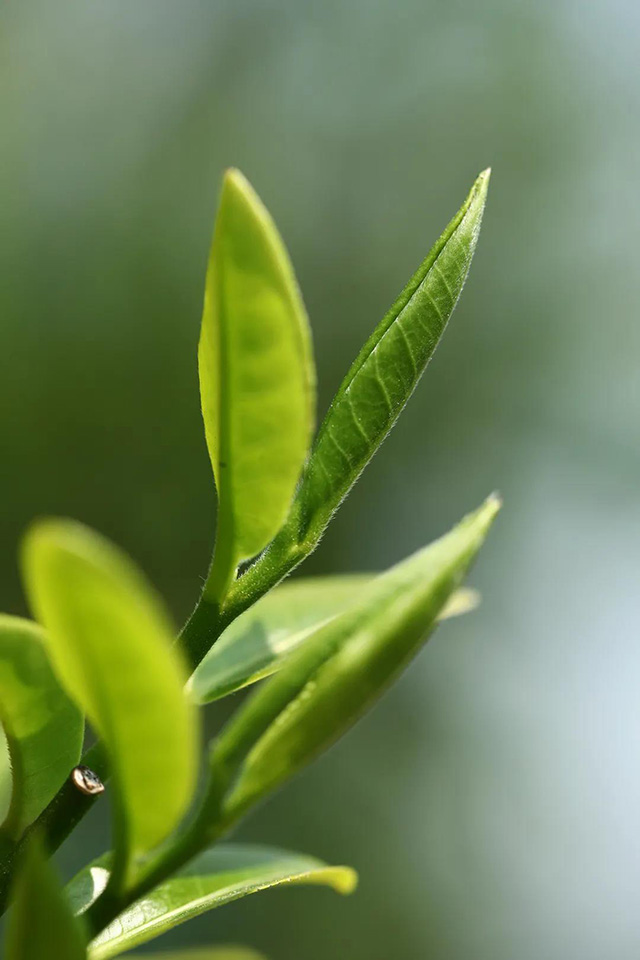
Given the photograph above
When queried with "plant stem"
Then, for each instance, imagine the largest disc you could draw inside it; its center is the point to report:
(208, 620)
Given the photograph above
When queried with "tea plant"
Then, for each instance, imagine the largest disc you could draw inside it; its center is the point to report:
(103, 648)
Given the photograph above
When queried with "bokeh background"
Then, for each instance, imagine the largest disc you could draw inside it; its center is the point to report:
(492, 801)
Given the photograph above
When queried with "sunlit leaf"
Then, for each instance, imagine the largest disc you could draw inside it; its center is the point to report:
(214, 878)
(389, 366)
(372, 396)
(260, 641)
(112, 647)
(256, 378)
(341, 669)
(41, 924)
(44, 727)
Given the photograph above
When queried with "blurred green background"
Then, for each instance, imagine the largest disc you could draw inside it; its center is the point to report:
(492, 801)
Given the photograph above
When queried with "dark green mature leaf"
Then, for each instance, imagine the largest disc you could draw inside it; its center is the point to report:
(112, 647)
(214, 878)
(41, 925)
(340, 670)
(44, 727)
(388, 368)
(256, 379)
(260, 641)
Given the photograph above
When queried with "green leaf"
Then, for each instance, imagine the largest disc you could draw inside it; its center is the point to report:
(41, 925)
(260, 641)
(371, 397)
(340, 670)
(112, 647)
(224, 873)
(256, 379)
(388, 367)
(44, 727)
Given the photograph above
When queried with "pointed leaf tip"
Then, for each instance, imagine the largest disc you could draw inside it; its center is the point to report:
(384, 375)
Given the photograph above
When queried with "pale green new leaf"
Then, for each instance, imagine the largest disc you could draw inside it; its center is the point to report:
(256, 379)
(44, 727)
(112, 647)
(41, 925)
(224, 873)
(340, 670)
(260, 641)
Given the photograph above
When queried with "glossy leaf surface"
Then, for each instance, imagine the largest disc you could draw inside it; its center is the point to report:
(259, 642)
(41, 925)
(216, 877)
(388, 367)
(112, 647)
(44, 727)
(256, 378)
(342, 668)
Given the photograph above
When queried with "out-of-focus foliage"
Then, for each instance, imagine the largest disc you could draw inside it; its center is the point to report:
(41, 922)
(44, 729)
(113, 648)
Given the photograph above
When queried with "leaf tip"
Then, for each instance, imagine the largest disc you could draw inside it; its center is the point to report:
(482, 519)
(235, 183)
(480, 188)
(344, 880)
